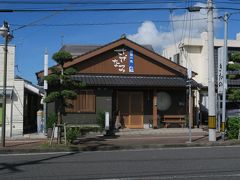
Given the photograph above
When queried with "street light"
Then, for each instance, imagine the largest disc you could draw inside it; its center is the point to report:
(5, 32)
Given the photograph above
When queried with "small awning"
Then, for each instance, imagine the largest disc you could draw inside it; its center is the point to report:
(9, 93)
(133, 81)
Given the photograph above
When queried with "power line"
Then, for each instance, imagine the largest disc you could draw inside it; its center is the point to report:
(39, 20)
(107, 23)
(34, 22)
(107, 9)
(89, 10)
(108, 2)
(91, 2)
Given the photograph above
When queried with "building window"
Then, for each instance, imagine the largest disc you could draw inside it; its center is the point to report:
(85, 102)
(176, 58)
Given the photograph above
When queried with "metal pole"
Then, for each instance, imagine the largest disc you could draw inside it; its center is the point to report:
(4, 91)
(45, 90)
(225, 58)
(190, 111)
(211, 76)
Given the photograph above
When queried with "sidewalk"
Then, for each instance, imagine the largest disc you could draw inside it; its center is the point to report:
(124, 139)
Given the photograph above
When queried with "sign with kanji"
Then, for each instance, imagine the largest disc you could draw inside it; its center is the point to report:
(220, 70)
(131, 61)
(119, 62)
(123, 59)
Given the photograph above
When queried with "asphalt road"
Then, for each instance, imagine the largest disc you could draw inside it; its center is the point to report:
(167, 163)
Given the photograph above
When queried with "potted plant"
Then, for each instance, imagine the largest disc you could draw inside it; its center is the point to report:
(52, 118)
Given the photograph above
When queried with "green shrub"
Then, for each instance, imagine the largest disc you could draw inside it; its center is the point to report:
(72, 133)
(52, 118)
(235, 57)
(232, 67)
(101, 120)
(233, 125)
(233, 94)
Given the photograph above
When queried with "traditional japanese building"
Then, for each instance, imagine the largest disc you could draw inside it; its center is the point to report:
(127, 77)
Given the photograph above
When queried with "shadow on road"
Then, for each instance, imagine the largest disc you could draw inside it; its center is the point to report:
(15, 167)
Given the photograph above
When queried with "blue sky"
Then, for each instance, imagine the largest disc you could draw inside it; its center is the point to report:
(147, 27)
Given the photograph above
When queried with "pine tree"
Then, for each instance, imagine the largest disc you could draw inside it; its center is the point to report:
(62, 86)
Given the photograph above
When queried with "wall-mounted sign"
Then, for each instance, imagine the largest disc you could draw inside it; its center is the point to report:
(131, 61)
(119, 62)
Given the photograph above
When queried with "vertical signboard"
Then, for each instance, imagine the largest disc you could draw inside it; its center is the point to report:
(119, 62)
(220, 71)
(131, 61)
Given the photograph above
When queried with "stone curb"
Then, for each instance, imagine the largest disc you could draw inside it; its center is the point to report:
(76, 149)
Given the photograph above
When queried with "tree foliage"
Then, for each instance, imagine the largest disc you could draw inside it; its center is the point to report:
(234, 94)
(235, 57)
(62, 57)
(234, 67)
(63, 87)
(233, 126)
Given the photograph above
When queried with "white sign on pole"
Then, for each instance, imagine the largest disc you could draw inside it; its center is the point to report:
(45, 69)
(220, 70)
(107, 127)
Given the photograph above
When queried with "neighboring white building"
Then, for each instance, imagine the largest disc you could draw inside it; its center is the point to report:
(193, 54)
(19, 117)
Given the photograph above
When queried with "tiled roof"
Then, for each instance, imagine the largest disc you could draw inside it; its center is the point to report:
(132, 81)
(77, 50)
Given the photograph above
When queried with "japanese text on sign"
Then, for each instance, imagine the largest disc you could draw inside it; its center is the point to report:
(220, 71)
(119, 62)
(131, 61)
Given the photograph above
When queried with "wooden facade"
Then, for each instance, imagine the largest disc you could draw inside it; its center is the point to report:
(123, 76)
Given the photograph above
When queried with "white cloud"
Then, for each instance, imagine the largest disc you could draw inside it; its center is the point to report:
(188, 25)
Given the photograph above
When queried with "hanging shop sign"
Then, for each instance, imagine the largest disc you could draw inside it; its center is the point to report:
(131, 61)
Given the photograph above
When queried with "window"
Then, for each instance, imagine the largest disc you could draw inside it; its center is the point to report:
(176, 58)
(84, 102)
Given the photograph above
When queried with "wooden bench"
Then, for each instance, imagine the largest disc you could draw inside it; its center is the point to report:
(174, 119)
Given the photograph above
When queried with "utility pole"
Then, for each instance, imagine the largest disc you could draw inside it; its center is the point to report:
(225, 59)
(211, 76)
(5, 32)
(4, 91)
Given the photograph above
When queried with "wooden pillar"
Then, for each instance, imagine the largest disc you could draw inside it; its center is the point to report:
(155, 123)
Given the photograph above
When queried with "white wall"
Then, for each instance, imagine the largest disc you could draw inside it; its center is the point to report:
(196, 51)
(14, 106)
(18, 108)
(10, 65)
